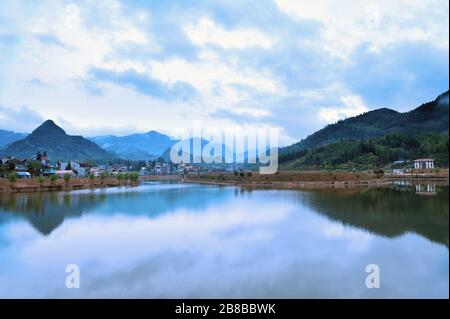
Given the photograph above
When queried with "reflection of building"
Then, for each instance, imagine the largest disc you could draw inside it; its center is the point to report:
(423, 163)
(429, 189)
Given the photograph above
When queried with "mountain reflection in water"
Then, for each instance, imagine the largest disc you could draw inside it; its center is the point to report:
(389, 211)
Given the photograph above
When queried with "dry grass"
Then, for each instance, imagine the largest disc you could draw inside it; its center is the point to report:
(32, 185)
(287, 176)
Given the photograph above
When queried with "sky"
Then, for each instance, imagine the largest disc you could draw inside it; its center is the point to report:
(120, 67)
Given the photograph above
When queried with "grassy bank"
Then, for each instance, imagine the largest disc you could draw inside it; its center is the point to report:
(37, 185)
(292, 179)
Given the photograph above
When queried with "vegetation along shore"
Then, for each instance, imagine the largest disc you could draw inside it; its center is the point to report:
(53, 183)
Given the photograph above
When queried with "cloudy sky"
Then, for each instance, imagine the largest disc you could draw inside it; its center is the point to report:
(116, 67)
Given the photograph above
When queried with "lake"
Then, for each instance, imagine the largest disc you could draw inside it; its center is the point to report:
(171, 240)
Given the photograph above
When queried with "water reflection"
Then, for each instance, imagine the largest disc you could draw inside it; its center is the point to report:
(389, 212)
(47, 211)
(181, 241)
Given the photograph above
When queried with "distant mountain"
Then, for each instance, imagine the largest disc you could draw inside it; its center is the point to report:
(51, 138)
(429, 117)
(8, 137)
(146, 146)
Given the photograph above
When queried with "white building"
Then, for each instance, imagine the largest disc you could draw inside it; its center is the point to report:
(75, 166)
(424, 163)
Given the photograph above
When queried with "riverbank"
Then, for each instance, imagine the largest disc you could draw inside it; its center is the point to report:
(292, 180)
(33, 185)
(303, 180)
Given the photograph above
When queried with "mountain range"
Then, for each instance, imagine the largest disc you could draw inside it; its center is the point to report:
(145, 146)
(429, 117)
(8, 137)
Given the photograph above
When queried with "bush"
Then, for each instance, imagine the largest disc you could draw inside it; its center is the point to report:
(67, 177)
(40, 180)
(378, 172)
(53, 178)
(134, 176)
(13, 176)
(249, 174)
(103, 176)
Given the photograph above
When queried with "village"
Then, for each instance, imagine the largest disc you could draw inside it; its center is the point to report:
(40, 165)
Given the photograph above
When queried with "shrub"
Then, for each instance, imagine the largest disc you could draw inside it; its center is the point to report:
(53, 179)
(40, 180)
(103, 176)
(67, 178)
(378, 172)
(13, 177)
(134, 176)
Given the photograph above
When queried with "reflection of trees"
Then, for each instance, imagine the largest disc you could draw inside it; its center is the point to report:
(389, 212)
(46, 211)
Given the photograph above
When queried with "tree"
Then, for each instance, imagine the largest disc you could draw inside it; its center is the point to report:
(67, 178)
(379, 172)
(13, 177)
(134, 176)
(92, 178)
(119, 178)
(126, 177)
(103, 176)
(34, 168)
(53, 179)
(40, 180)
(69, 166)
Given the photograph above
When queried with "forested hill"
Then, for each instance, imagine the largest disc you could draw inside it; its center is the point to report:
(429, 117)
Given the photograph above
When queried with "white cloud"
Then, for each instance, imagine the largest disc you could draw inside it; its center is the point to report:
(285, 75)
(207, 31)
(206, 75)
(349, 23)
(19, 119)
(352, 105)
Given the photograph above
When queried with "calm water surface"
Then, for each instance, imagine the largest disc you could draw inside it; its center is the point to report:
(180, 240)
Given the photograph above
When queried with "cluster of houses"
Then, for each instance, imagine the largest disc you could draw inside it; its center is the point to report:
(40, 165)
(404, 166)
(162, 168)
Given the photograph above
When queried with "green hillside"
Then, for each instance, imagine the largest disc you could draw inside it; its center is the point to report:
(374, 139)
(429, 117)
(375, 152)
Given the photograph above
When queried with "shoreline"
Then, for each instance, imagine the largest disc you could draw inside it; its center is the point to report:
(303, 180)
(284, 180)
(33, 186)
(296, 185)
